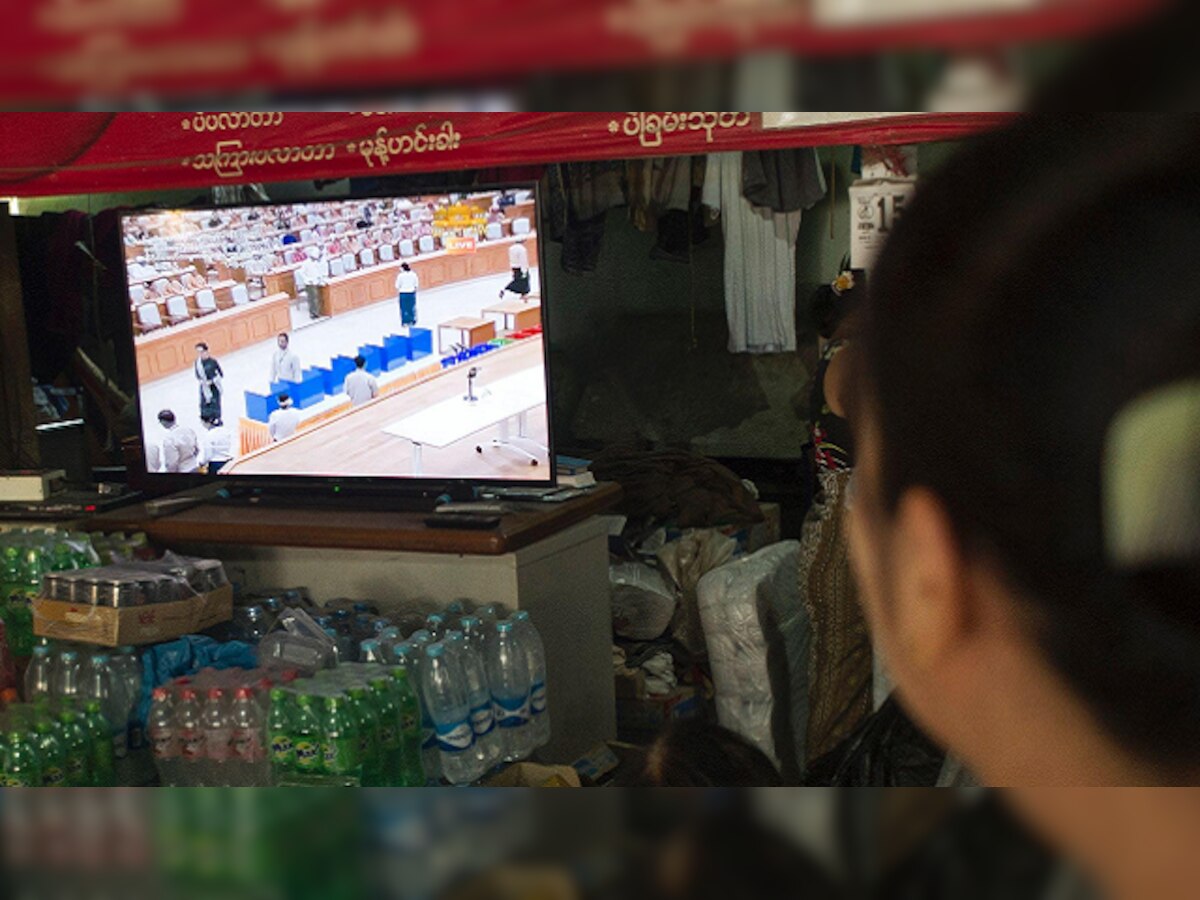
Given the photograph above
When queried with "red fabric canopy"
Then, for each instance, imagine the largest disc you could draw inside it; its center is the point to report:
(75, 153)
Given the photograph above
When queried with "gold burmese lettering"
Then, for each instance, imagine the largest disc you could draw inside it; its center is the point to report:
(649, 128)
(66, 16)
(107, 62)
(313, 46)
(386, 145)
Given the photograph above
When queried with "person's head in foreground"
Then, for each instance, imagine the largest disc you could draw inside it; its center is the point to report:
(202, 351)
(360, 362)
(166, 419)
(285, 400)
(282, 341)
(694, 753)
(1025, 525)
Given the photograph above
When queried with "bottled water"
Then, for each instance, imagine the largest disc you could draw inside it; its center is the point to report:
(435, 623)
(443, 687)
(431, 759)
(67, 676)
(38, 675)
(218, 740)
(128, 669)
(508, 677)
(248, 740)
(191, 739)
(164, 737)
(102, 686)
(371, 651)
(479, 699)
(536, 652)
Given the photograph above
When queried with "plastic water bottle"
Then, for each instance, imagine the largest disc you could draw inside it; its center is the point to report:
(249, 740)
(408, 708)
(479, 698)
(78, 750)
(218, 739)
(67, 676)
(435, 624)
(38, 675)
(164, 738)
(508, 677)
(51, 755)
(371, 651)
(279, 734)
(535, 650)
(100, 740)
(431, 759)
(128, 669)
(102, 686)
(444, 689)
(190, 732)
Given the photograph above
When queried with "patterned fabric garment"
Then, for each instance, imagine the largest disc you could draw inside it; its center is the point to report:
(840, 657)
(833, 442)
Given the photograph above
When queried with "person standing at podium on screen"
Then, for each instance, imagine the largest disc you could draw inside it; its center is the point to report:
(285, 364)
(216, 446)
(407, 283)
(518, 261)
(283, 422)
(361, 385)
(180, 449)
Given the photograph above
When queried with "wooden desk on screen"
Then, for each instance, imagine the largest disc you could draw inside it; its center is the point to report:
(170, 350)
(281, 280)
(551, 559)
(376, 284)
(515, 315)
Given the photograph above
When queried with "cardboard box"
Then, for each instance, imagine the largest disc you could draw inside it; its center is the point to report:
(527, 774)
(137, 625)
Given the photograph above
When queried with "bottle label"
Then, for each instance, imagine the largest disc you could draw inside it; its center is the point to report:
(482, 720)
(16, 779)
(191, 746)
(247, 746)
(165, 746)
(428, 739)
(511, 712)
(455, 738)
(218, 745)
(283, 753)
(53, 776)
(77, 769)
(389, 736)
(308, 754)
(341, 755)
(537, 698)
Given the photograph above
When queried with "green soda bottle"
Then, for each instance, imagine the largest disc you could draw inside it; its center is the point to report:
(77, 748)
(341, 741)
(306, 730)
(50, 751)
(101, 745)
(279, 733)
(390, 747)
(367, 724)
(408, 710)
(21, 767)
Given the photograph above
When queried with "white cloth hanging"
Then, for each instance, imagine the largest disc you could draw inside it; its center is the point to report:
(760, 262)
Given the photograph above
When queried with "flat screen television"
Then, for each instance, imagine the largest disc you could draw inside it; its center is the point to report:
(389, 340)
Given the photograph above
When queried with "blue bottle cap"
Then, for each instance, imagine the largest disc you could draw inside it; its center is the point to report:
(504, 627)
(521, 615)
(435, 650)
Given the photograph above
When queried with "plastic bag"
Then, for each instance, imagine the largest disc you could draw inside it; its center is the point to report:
(688, 560)
(188, 654)
(642, 601)
(886, 750)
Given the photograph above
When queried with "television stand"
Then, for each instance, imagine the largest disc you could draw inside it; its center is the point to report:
(340, 497)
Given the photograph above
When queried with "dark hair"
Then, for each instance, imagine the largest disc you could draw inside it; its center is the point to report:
(201, 345)
(284, 397)
(166, 416)
(695, 753)
(829, 308)
(997, 359)
(284, 335)
(360, 361)
(406, 267)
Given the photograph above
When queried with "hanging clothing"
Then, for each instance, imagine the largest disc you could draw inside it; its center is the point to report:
(579, 196)
(783, 180)
(760, 262)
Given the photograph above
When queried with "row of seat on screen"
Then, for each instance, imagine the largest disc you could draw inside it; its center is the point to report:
(385, 253)
(175, 309)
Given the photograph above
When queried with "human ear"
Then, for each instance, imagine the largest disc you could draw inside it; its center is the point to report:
(932, 602)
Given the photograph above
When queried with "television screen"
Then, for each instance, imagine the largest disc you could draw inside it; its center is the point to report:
(384, 338)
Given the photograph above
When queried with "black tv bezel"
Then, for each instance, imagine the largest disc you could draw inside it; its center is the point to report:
(344, 486)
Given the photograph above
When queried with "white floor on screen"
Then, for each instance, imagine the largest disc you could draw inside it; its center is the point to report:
(316, 344)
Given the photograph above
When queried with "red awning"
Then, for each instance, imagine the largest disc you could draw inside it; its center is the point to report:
(44, 154)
